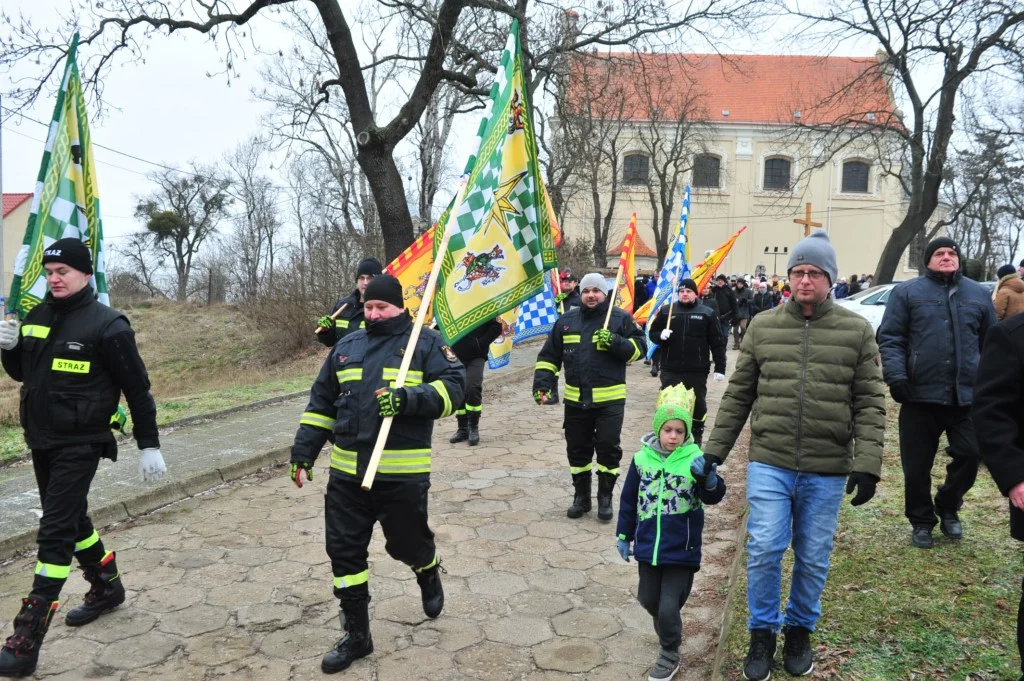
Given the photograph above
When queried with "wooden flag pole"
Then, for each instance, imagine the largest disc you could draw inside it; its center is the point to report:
(414, 337)
(321, 329)
(558, 291)
(614, 294)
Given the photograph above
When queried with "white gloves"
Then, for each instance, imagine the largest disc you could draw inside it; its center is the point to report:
(665, 333)
(151, 465)
(719, 377)
(9, 333)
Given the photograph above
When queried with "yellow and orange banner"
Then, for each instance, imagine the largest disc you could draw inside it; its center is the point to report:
(625, 296)
(412, 269)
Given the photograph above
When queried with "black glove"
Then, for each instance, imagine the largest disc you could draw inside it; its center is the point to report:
(900, 391)
(864, 483)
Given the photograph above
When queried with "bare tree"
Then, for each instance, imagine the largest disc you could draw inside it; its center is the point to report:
(254, 243)
(135, 269)
(120, 32)
(675, 132)
(181, 214)
(964, 40)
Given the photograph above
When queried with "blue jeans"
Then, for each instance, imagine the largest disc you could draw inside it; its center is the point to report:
(788, 505)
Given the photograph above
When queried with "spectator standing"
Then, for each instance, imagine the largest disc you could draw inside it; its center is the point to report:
(726, 299)
(930, 339)
(842, 289)
(1009, 294)
(744, 301)
(763, 300)
(854, 287)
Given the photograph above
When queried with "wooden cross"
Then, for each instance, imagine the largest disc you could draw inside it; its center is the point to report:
(806, 221)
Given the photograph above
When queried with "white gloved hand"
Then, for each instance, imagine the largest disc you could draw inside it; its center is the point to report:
(719, 377)
(10, 330)
(665, 333)
(151, 465)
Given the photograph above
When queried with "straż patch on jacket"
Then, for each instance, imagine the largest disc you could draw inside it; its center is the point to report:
(449, 354)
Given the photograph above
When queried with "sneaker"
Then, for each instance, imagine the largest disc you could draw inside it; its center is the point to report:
(797, 656)
(665, 667)
(922, 537)
(758, 665)
(949, 523)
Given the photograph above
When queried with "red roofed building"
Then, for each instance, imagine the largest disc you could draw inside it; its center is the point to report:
(16, 211)
(755, 136)
(644, 258)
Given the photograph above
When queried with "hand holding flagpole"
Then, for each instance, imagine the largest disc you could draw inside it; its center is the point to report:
(321, 329)
(414, 337)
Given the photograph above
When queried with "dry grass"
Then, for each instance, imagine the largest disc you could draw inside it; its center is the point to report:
(200, 358)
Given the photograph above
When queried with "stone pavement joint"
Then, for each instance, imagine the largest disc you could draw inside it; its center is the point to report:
(235, 582)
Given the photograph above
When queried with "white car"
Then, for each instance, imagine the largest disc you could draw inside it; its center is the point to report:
(870, 303)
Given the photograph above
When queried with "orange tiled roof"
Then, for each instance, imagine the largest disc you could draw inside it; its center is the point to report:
(642, 249)
(759, 89)
(12, 201)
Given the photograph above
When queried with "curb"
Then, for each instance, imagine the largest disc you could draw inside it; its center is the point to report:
(150, 500)
(741, 544)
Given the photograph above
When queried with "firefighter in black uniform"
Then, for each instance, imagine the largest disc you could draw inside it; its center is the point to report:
(687, 346)
(74, 357)
(346, 404)
(330, 331)
(471, 350)
(570, 296)
(595, 388)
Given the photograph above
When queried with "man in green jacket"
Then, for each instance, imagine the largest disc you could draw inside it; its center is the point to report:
(802, 450)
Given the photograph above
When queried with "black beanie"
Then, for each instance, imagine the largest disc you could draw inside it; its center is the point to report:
(688, 283)
(71, 252)
(369, 266)
(936, 244)
(1005, 270)
(385, 288)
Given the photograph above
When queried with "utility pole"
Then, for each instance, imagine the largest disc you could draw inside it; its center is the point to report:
(775, 255)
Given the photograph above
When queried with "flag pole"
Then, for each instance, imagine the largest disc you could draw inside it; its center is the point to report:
(558, 291)
(614, 294)
(3, 279)
(414, 337)
(321, 329)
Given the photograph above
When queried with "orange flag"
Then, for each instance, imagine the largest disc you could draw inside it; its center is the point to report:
(625, 296)
(412, 269)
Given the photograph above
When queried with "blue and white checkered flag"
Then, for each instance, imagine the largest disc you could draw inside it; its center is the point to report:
(537, 316)
(674, 270)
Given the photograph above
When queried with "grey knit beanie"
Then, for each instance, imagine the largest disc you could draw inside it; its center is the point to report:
(594, 280)
(815, 250)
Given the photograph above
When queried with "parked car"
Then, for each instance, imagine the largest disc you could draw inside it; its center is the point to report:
(870, 303)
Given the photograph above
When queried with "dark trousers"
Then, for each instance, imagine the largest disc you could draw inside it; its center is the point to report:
(739, 330)
(726, 325)
(698, 383)
(64, 476)
(473, 400)
(656, 360)
(594, 431)
(351, 511)
(663, 591)
(1020, 629)
(920, 428)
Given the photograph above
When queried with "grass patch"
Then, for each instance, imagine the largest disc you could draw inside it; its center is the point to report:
(200, 359)
(891, 611)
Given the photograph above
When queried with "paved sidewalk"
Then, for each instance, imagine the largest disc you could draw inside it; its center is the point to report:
(235, 583)
(199, 456)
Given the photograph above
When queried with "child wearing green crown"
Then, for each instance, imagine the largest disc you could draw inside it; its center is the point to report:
(661, 514)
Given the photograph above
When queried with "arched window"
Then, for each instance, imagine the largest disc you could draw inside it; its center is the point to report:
(707, 171)
(776, 174)
(635, 169)
(855, 176)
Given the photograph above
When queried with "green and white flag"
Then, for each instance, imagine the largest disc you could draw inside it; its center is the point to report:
(66, 202)
(502, 239)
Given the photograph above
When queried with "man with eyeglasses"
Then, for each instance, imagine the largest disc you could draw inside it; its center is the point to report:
(931, 337)
(802, 451)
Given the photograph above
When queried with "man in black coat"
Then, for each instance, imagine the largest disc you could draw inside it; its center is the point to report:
(471, 350)
(998, 414)
(726, 299)
(348, 311)
(763, 300)
(930, 341)
(687, 346)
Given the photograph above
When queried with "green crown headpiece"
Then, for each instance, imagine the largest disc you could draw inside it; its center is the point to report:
(674, 402)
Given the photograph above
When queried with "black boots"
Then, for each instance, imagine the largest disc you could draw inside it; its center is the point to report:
(107, 592)
(797, 655)
(605, 487)
(355, 643)
(462, 434)
(581, 498)
(474, 428)
(21, 651)
(431, 591)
